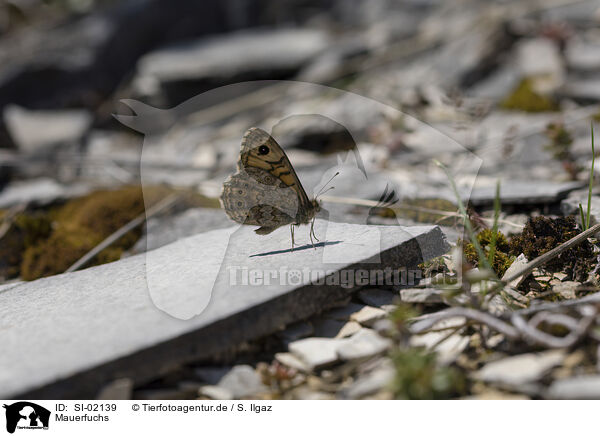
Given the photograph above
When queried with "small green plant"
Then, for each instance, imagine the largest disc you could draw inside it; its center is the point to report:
(402, 313)
(585, 218)
(561, 142)
(498, 249)
(419, 377)
(483, 259)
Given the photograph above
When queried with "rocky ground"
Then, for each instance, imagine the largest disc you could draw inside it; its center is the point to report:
(503, 94)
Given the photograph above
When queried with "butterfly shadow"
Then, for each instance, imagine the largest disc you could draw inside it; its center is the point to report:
(302, 247)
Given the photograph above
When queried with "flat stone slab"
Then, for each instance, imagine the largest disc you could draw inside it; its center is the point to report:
(522, 192)
(69, 335)
(584, 387)
(521, 369)
(422, 295)
(365, 343)
(40, 191)
(570, 205)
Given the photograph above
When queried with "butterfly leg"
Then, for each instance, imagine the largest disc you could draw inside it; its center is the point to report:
(292, 232)
(312, 232)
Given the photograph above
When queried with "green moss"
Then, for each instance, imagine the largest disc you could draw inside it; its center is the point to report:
(11, 253)
(24, 231)
(502, 259)
(525, 98)
(433, 266)
(35, 226)
(418, 377)
(81, 224)
(542, 234)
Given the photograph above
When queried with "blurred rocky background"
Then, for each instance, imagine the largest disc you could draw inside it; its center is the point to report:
(496, 90)
(509, 87)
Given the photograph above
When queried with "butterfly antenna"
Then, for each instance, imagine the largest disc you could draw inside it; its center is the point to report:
(322, 191)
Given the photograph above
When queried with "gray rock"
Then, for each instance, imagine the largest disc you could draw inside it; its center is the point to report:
(521, 369)
(216, 393)
(81, 58)
(327, 328)
(365, 343)
(368, 315)
(519, 263)
(163, 231)
(296, 331)
(566, 289)
(191, 387)
(540, 57)
(291, 361)
(522, 192)
(313, 133)
(348, 329)
(344, 313)
(377, 379)
(242, 381)
(513, 224)
(583, 56)
(421, 295)
(42, 191)
(515, 295)
(34, 130)
(120, 389)
(570, 205)
(384, 327)
(249, 54)
(211, 374)
(230, 254)
(582, 13)
(448, 349)
(351, 182)
(316, 353)
(498, 85)
(584, 90)
(116, 316)
(112, 156)
(586, 387)
(305, 393)
(377, 297)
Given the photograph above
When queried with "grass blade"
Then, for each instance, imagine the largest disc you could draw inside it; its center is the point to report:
(582, 215)
(497, 207)
(467, 222)
(589, 205)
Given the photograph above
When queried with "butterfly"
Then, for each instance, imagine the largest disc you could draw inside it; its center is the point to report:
(265, 191)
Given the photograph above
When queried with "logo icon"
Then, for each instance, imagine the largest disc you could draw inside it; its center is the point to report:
(26, 415)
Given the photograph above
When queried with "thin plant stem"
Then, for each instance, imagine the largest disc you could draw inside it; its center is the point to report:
(467, 222)
(589, 205)
(493, 241)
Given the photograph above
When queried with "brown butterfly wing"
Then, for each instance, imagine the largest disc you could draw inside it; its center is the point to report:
(261, 151)
(247, 200)
(265, 191)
